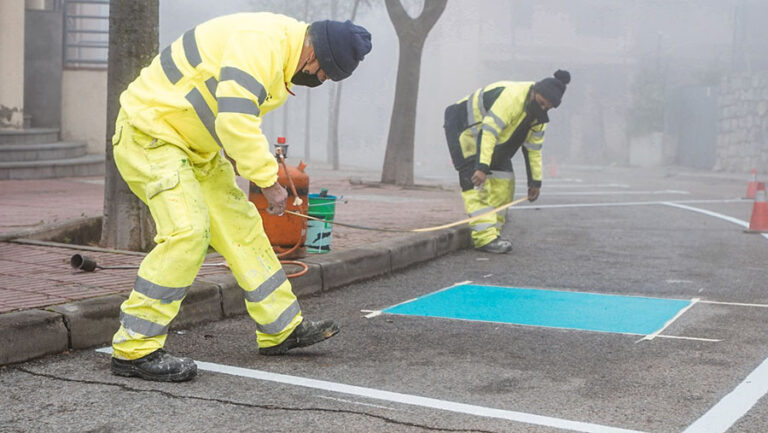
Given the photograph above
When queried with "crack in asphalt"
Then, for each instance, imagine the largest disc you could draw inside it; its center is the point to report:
(250, 405)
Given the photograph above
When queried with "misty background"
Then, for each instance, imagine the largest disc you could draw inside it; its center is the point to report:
(651, 80)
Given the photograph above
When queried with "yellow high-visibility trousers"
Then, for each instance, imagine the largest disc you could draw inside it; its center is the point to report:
(498, 190)
(194, 206)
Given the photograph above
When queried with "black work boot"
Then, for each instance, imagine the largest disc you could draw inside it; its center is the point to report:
(306, 334)
(497, 246)
(159, 366)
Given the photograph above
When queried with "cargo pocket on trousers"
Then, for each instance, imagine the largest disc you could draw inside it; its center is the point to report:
(168, 205)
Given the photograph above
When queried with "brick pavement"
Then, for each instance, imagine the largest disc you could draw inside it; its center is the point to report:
(34, 276)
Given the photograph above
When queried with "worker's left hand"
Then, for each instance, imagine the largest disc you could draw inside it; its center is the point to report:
(533, 193)
(478, 178)
(276, 196)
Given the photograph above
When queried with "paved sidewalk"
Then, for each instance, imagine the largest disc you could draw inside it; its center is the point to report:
(47, 307)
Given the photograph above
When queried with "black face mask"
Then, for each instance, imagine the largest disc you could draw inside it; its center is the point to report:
(302, 78)
(534, 110)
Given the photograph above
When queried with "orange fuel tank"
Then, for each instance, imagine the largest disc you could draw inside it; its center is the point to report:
(286, 233)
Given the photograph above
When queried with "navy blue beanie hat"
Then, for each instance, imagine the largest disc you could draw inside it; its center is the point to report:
(553, 88)
(339, 47)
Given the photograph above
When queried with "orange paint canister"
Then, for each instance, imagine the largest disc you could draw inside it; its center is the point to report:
(286, 233)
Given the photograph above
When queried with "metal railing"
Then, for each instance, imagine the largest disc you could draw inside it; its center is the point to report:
(86, 33)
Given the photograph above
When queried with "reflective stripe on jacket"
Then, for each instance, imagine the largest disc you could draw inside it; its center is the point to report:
(494, 112)
(209, 89)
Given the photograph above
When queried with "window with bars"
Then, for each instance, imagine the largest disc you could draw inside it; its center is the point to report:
(86, 33)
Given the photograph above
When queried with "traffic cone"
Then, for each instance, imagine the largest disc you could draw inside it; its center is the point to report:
(752, 186)
(759, 221)
(552, 170)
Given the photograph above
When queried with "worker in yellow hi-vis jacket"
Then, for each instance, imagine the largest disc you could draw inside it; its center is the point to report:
(484, 130)
(205, 93)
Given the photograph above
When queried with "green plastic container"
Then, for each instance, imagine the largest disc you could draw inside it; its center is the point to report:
(319, 232)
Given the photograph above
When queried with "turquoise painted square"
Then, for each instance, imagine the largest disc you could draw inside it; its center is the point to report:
(549, 308)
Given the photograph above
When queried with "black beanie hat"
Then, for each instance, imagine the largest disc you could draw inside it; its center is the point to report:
(339, 47)
(553, 88)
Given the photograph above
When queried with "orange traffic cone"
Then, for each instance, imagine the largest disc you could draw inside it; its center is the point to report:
(552, 171)
(759, 221)
(752, 186)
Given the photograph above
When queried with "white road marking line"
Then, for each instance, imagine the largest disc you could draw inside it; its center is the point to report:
(736, 304)
(675, 337)
(706, 212)
(413, 400)
(559, 179)
(587, 185)
(713, 214)
(409, 399)
(733, 406)
(372, 314)
(663, 191)
(626, 203)
(670, 321)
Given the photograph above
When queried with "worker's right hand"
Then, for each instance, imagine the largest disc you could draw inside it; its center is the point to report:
(276, 196)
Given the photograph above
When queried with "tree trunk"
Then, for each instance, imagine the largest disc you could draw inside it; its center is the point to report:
(398, 159)
(335, 108)
(333, 125)
(308, 106)
(133, 42)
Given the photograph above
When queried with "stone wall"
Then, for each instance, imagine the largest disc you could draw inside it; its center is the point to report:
(742, 141)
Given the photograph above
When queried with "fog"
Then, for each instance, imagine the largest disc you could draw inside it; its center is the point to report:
(646, 75)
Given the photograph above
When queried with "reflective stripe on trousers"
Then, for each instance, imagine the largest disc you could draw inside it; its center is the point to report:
(188, 205)
(497, 191)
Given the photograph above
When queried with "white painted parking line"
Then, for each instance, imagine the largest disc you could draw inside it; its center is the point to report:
(625, 203)
(713, 214)
(587, 185)
(706, 212)
(734, 405)
(663, 191)
(408, 399)
(736, 304)
(413, 400)
(581, 185)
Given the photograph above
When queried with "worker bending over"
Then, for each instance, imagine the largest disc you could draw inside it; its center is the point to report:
(484, 131)
(205, 93)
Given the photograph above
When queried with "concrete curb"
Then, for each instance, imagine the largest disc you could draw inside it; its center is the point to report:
(25, 335)
(72, 228)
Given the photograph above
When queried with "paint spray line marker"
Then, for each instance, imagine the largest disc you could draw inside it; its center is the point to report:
(669, 322)
(407, 399)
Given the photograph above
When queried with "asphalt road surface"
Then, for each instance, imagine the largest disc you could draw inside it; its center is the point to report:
(599, 232)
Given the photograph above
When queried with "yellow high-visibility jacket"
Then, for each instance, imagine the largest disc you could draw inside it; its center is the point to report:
(209, 89)
(494, 113)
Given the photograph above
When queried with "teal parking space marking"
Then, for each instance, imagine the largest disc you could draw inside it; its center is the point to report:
(546, 308)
